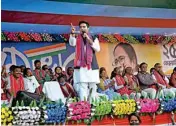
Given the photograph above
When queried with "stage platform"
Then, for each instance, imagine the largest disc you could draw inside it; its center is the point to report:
(164, 118)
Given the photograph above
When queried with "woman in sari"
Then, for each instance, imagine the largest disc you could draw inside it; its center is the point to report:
(106, 85)
(120, 84)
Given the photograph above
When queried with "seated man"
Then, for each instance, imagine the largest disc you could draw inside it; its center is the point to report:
(70, 71)
(30, 82)
(133, 84)
(163, 82)
(120, 84)
(40, 74)
(66, 88)
(146, 81)
(15, 81)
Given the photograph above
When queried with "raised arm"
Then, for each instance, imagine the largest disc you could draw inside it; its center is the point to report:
(72, 40)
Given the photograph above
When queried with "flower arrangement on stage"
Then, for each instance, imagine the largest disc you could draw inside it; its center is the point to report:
(101, 108)
(122, 107)
(6, 116)
(26, 115)
(110, 38)
(55, 113)
(148, 105)
(168, 105)
(79, 110)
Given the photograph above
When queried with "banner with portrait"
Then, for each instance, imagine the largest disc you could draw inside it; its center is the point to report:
(123, 54)
(110, 56)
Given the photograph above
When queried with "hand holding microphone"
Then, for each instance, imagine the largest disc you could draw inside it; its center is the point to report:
(85, 35)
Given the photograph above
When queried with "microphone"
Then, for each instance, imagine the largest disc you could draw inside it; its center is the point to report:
(83, 32)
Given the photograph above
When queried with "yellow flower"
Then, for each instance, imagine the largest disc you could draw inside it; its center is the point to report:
(10, 112)
(3, 110)
(2, 116)
(6, 115)
(6, 108)
(5, 120)
(9, 120)
(10, 124)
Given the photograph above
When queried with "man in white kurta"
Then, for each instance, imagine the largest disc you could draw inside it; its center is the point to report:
(86, 78)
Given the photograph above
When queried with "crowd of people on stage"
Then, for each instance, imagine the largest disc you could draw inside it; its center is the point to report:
(122, 81)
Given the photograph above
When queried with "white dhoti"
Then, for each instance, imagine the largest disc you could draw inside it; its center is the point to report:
(84, 81)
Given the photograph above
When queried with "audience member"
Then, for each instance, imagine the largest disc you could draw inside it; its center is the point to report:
(173, 78)
(30, 82)
(163, 82)
(132, 82)
(47, 72)
(22, 68)
(146, 81)
(120, 84)
(134, 119)
(106, 85)
(58, 72)
(66, 88)
(70, 71)
(4, 97)
(40, 74)
(15, 81)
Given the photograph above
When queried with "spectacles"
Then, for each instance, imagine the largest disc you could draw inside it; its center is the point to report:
(120, 60)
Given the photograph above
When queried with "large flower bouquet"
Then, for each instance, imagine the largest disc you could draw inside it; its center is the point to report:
(148, 105)
(55, 113)
(101, 107)
(79, 110)
(122, 107)
(6, 116)
(26, 115)
(168, 105)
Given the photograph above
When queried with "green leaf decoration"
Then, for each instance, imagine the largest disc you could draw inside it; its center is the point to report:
(101, 117)
(92, 119)
(22, 103)
(92, 99)
(31, 104)
(98, 118)
(34, 103)
(41, 101)
(77, 121)
(74, 100)
(3, 105)
(17, 104)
